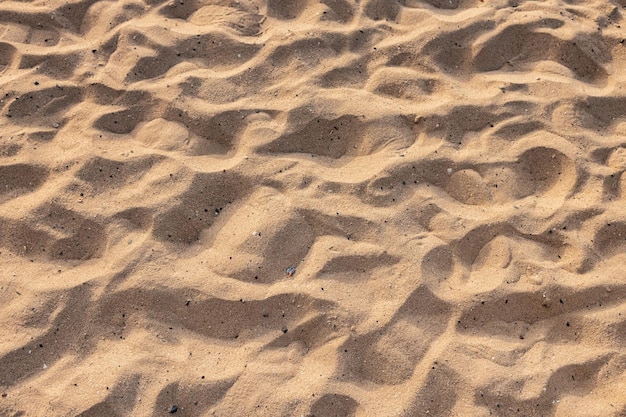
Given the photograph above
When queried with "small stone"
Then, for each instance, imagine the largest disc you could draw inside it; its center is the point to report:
(173, 409)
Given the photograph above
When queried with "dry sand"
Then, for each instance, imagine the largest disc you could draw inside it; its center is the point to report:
(445, 176)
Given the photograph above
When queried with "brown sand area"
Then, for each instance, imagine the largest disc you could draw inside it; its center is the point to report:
(445, 176)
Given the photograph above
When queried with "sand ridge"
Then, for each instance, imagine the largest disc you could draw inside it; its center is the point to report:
(445, 176)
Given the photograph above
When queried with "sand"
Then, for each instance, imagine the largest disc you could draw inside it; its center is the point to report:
(444, 177)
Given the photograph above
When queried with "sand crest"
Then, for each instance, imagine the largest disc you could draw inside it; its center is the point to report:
(312, 208)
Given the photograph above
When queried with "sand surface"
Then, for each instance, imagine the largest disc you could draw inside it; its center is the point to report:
(446, 177)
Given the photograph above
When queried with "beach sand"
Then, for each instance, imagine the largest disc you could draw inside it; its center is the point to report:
(445, 179)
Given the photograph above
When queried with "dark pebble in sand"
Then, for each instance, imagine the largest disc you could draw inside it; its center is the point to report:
(173, 409)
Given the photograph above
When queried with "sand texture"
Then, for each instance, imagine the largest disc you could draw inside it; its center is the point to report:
(446, 178)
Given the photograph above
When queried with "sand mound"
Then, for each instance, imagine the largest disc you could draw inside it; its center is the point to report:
(445, 177)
